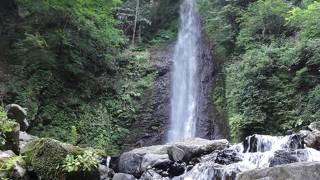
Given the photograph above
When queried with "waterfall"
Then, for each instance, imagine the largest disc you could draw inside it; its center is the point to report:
(184, 87)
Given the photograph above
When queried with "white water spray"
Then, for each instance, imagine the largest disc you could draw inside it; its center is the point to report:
(184, 92)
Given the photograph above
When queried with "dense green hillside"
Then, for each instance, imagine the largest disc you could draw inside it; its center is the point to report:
(74, 68)
(269, 52)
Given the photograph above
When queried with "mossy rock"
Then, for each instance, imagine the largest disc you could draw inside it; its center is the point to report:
(12, 138)
(12, 166)
(46, 157)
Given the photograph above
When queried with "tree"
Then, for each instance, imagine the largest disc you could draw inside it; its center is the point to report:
(135, 22)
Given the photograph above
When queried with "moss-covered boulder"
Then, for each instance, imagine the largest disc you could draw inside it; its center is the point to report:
(47, 158)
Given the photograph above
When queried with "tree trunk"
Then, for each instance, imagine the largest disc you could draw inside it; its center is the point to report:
(135, 23)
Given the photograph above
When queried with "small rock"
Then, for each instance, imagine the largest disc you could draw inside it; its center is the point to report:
(123, 176)
(227, 156)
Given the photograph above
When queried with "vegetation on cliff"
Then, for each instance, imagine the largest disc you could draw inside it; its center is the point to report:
(269, 54)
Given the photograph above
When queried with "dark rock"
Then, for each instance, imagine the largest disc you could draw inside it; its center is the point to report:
(227, 156)
(130, 163)
(122, 176)
(296, 141)
(84, 175)
(250, 144)
(294, 171)
(211, 124)
(283, 157)
(177, 169)
(312, 140)
(289, 132)
(17, 113)
(114, 163)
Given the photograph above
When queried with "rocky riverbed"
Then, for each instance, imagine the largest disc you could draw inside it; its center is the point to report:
(294, 156)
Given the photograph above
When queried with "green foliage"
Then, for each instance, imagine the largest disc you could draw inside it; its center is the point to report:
(269, 81)
(305, 19)
(7, 165)
(72, 74)
(82, 162)
(263, 21)
(6, 125)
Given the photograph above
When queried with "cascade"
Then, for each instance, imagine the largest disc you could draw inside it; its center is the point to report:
(262, 152)
(185, 81)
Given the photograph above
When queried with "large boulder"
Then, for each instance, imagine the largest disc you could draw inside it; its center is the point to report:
(190, 148)
(312, 140)
(12, 166)
(137, 161)
(19, 114)
(288, 156)
(295, 171)
(46, 157)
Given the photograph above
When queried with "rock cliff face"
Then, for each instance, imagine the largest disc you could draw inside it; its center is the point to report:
(209, 124)
(154, 119)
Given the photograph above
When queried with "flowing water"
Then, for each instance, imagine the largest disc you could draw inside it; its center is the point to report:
(184, 87)
(265, 150)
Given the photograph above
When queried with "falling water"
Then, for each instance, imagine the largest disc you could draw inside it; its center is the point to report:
(184, 92)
